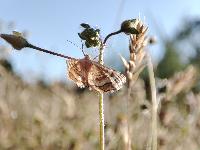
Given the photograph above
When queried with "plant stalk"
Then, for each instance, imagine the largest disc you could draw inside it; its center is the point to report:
(101, 109)
(128, 144)
(154, 104)
(111, 34)
(47, 51)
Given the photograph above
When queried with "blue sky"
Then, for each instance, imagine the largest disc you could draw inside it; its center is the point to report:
(52, 23)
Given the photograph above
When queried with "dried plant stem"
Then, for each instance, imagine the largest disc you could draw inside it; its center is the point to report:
(101, 109)
(111, 34)
(154, 105)
(128, 144)
(47, 51)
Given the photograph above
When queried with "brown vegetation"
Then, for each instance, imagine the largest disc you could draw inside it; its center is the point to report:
(60, 117)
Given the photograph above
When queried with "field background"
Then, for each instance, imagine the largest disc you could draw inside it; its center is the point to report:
(40, 109)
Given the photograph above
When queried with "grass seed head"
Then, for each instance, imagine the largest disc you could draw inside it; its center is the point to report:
(137, 44)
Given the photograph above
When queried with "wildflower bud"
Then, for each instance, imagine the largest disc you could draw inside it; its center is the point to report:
(17, 42)
(90, 36)
(129, 26)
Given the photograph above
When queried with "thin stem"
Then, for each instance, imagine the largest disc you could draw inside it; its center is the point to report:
(101, 117)
(47, 51)
(154, 104)
(111, 34)
(101, 109)
(128, 144)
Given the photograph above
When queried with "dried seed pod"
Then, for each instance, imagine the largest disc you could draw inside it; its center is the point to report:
(17, 42)
(129, 26)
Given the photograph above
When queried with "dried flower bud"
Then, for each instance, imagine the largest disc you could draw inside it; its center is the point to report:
(130, 26)
(17, 42)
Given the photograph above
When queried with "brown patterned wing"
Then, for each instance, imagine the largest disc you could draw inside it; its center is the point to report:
(75, 72)
(104, 79)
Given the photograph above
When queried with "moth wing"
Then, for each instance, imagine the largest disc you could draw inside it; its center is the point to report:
(74, 72)
(104, 79)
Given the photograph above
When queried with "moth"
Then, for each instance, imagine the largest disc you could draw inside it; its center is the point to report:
(88, 73)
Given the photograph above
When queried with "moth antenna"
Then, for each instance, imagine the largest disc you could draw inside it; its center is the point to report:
(77, 46)
(74, 44)
(95, 57)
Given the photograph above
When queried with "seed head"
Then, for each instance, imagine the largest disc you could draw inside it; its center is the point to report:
(129, 26)
(138, 42)
(17, 41)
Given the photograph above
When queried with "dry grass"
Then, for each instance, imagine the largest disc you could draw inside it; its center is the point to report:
(60, 117)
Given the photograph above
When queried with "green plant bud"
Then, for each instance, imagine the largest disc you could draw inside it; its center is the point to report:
(129, 26)
(90, 36)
